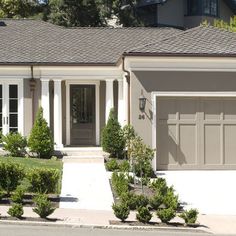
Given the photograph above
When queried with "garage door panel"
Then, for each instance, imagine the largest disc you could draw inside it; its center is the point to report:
(212, 109)
(229, 144)
(212, 144)
(167, 147)
(168, 109)
(196, 133)
(187, 151)
(187, 109)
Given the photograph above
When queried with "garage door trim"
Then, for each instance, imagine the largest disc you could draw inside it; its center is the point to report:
(156, 94)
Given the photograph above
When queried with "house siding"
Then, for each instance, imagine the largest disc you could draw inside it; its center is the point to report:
(28, 104)
(171, 81)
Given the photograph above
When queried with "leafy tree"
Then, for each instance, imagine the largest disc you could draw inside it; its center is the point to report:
(76, 12)
(112, 136)
(40, 139)
(231, 26)
(141, 155)
(126, 12)
(17, 8)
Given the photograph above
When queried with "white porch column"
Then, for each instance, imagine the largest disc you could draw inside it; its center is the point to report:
(57, 115)
(109, 97)
(125, 99)
(45, 102)
(121, 108)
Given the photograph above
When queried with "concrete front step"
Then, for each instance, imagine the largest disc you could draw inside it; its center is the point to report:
(82, 151)
(84, 159)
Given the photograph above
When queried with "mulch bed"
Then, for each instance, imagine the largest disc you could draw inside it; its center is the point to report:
(33, 219)
(28, 200)
(150, 224)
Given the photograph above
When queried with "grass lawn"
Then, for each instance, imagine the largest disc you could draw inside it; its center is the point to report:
(30, 163)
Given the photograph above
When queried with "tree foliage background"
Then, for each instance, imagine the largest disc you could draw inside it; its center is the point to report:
(231, 26)
(73, 12)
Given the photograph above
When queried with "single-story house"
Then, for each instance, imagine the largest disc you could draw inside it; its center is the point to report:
(177, 88)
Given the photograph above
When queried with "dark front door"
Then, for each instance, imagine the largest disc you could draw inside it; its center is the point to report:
(82, 114)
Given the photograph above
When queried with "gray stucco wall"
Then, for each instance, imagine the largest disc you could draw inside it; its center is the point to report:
(28, 118)
(171, 81)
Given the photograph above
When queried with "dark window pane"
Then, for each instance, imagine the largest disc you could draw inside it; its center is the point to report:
(0, 91)
(214, 7)
(207, 7)
(0, 105)
(13, 105)
(1, 120)
(13, 120)
(13, 130)
(193, 7)
(13, 91)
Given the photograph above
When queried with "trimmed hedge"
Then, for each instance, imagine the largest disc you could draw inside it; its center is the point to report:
(44, 180)
(11, 174)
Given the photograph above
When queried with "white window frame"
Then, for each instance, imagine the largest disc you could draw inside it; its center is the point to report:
(5, 105)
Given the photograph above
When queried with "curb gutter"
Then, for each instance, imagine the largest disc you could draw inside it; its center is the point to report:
(119, 227)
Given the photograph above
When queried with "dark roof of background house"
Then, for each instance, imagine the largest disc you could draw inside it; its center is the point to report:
(202, 40)
(38, 42)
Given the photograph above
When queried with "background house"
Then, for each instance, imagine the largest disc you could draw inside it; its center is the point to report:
(184, 13)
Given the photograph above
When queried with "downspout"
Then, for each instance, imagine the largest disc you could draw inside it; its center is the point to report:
(127, 75)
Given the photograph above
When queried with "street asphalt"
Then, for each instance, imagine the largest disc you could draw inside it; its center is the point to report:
(21, 230)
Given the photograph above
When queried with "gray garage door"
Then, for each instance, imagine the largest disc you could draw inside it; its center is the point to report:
(196, 133)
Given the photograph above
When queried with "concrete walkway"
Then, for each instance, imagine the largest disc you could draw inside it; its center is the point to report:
(85, 184)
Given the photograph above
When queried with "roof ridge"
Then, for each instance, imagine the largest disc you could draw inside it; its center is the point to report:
(158, 41)
(168, 38)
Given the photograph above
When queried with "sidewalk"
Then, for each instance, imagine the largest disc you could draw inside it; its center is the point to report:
(212, 223)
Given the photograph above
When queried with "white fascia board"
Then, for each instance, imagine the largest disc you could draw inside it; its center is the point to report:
(216, 64)
(15, 72)
(78, 72)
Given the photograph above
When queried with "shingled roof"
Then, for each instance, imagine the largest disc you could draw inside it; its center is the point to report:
(38, 42)
(199, 41)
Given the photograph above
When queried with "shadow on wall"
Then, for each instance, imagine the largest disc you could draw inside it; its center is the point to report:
(171, 148)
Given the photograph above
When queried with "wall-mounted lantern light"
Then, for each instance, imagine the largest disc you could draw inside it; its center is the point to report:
(142, 103)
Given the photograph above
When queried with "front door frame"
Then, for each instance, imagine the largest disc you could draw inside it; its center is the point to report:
(97, 107)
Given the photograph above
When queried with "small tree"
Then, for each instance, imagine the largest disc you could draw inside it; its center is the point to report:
(40, 139)
(112, 136)
(141, 155)
(129, 134)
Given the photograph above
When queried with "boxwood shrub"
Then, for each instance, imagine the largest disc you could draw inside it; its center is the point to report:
(44, 180)
(143, 215)
(121, 211)
(120, 183)
(11, 174)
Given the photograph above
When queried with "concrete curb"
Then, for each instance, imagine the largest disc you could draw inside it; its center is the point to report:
(90, 226)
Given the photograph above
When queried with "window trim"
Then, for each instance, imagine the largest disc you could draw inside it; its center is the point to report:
(200, 10)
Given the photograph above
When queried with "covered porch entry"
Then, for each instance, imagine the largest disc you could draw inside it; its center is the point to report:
(77, 109)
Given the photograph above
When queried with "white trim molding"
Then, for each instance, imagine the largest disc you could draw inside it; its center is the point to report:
(97, 106)
(109, 96)
(45, 99)
(214, 64)
(57, 114)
